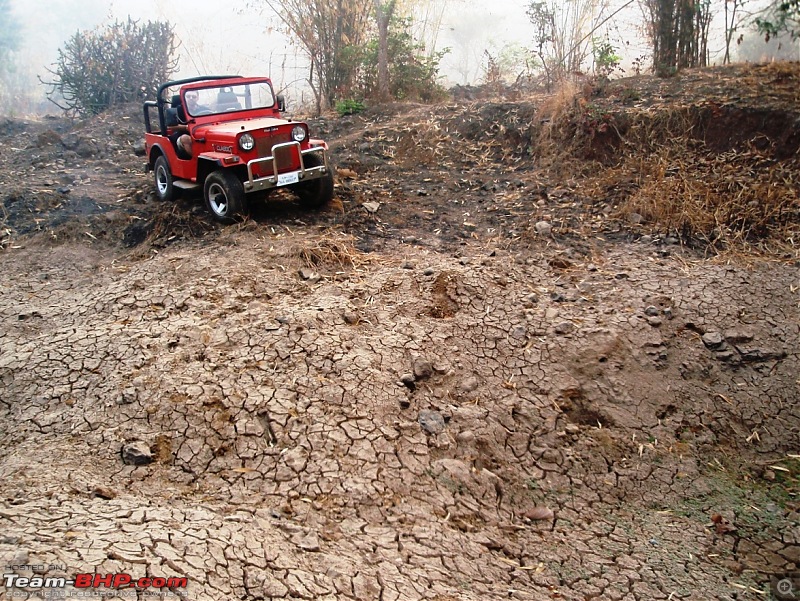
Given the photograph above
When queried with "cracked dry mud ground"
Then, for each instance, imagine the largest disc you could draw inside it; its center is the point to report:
(449, 404)
(395, 430)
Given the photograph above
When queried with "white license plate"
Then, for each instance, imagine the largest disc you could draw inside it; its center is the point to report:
(284, 179)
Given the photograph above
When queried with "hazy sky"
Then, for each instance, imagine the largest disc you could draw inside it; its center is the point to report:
(217, 38)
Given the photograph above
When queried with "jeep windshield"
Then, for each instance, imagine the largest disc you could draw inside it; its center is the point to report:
(227, 98)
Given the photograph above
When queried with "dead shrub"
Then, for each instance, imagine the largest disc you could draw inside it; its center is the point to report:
(734, 197)
(337, 253)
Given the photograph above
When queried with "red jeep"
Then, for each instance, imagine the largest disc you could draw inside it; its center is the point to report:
(239, 144)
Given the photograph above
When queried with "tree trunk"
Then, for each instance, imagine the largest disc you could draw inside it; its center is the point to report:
(383, 14)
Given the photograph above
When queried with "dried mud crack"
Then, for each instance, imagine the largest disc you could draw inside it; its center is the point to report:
(465, 383)
(281, 455)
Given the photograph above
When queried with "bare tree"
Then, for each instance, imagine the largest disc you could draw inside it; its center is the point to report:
(561, 34)
(678, 31)
(732, 23)
(384, 9)
(328, 31)
(427, 17)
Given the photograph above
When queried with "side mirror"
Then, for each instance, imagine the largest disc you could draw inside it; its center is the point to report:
(281, 103)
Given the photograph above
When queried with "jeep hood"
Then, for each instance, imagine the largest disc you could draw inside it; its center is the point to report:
(233, 128)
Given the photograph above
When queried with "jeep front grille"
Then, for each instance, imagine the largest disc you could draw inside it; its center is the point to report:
(264, 145)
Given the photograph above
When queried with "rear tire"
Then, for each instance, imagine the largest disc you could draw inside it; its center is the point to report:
(224, 196)
(162, 177)
(317, 192)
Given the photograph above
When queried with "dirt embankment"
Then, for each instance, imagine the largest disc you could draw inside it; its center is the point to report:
(486, 372)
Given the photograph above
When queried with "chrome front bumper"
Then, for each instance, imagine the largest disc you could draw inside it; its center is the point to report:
(304, 174)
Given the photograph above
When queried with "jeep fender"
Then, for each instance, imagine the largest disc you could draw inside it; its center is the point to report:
(209, 162)
(156, 150)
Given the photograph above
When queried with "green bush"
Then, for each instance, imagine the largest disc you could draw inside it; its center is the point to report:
(121, 63)
(349, 107)
(413, 74)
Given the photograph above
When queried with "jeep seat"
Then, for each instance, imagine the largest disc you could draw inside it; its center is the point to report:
(171, 116)
(227, 100)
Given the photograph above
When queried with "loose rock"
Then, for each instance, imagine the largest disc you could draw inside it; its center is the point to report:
(431, 421)
(563, 328)
(713, 339)
(136, 453)
(423, 368)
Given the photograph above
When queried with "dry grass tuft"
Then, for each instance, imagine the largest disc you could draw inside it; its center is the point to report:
(736, 197)
(562, 103)
(336, 252)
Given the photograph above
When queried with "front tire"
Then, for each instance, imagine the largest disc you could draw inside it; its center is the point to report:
(317, 192)
(162, 178)
(224, 196)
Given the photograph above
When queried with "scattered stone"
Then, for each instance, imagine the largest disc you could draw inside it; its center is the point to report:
(408, 380)
(136, 453)
(591, 267)
(738, 335)
(308, 274)
(671, 240)
(407, 265)
(646, 239)
(713, 340)
(309, 542)
(564, 328)
(469, 385)
(128, 396)
(371, 207)
(429, 271)
(543, 228)
(466, 437)
(539, 513)
(572, 429)
(635, 218)
(423, 369)
(63, 190)
(519, 332)
(759, 355)
(431, 421)
(727, 356)
(654, 321)
(350, 318)
(103, 492)
(464, 260)
(651, 311)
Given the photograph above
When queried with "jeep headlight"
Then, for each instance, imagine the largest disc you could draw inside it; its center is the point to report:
(298, 133)
(246, 142)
